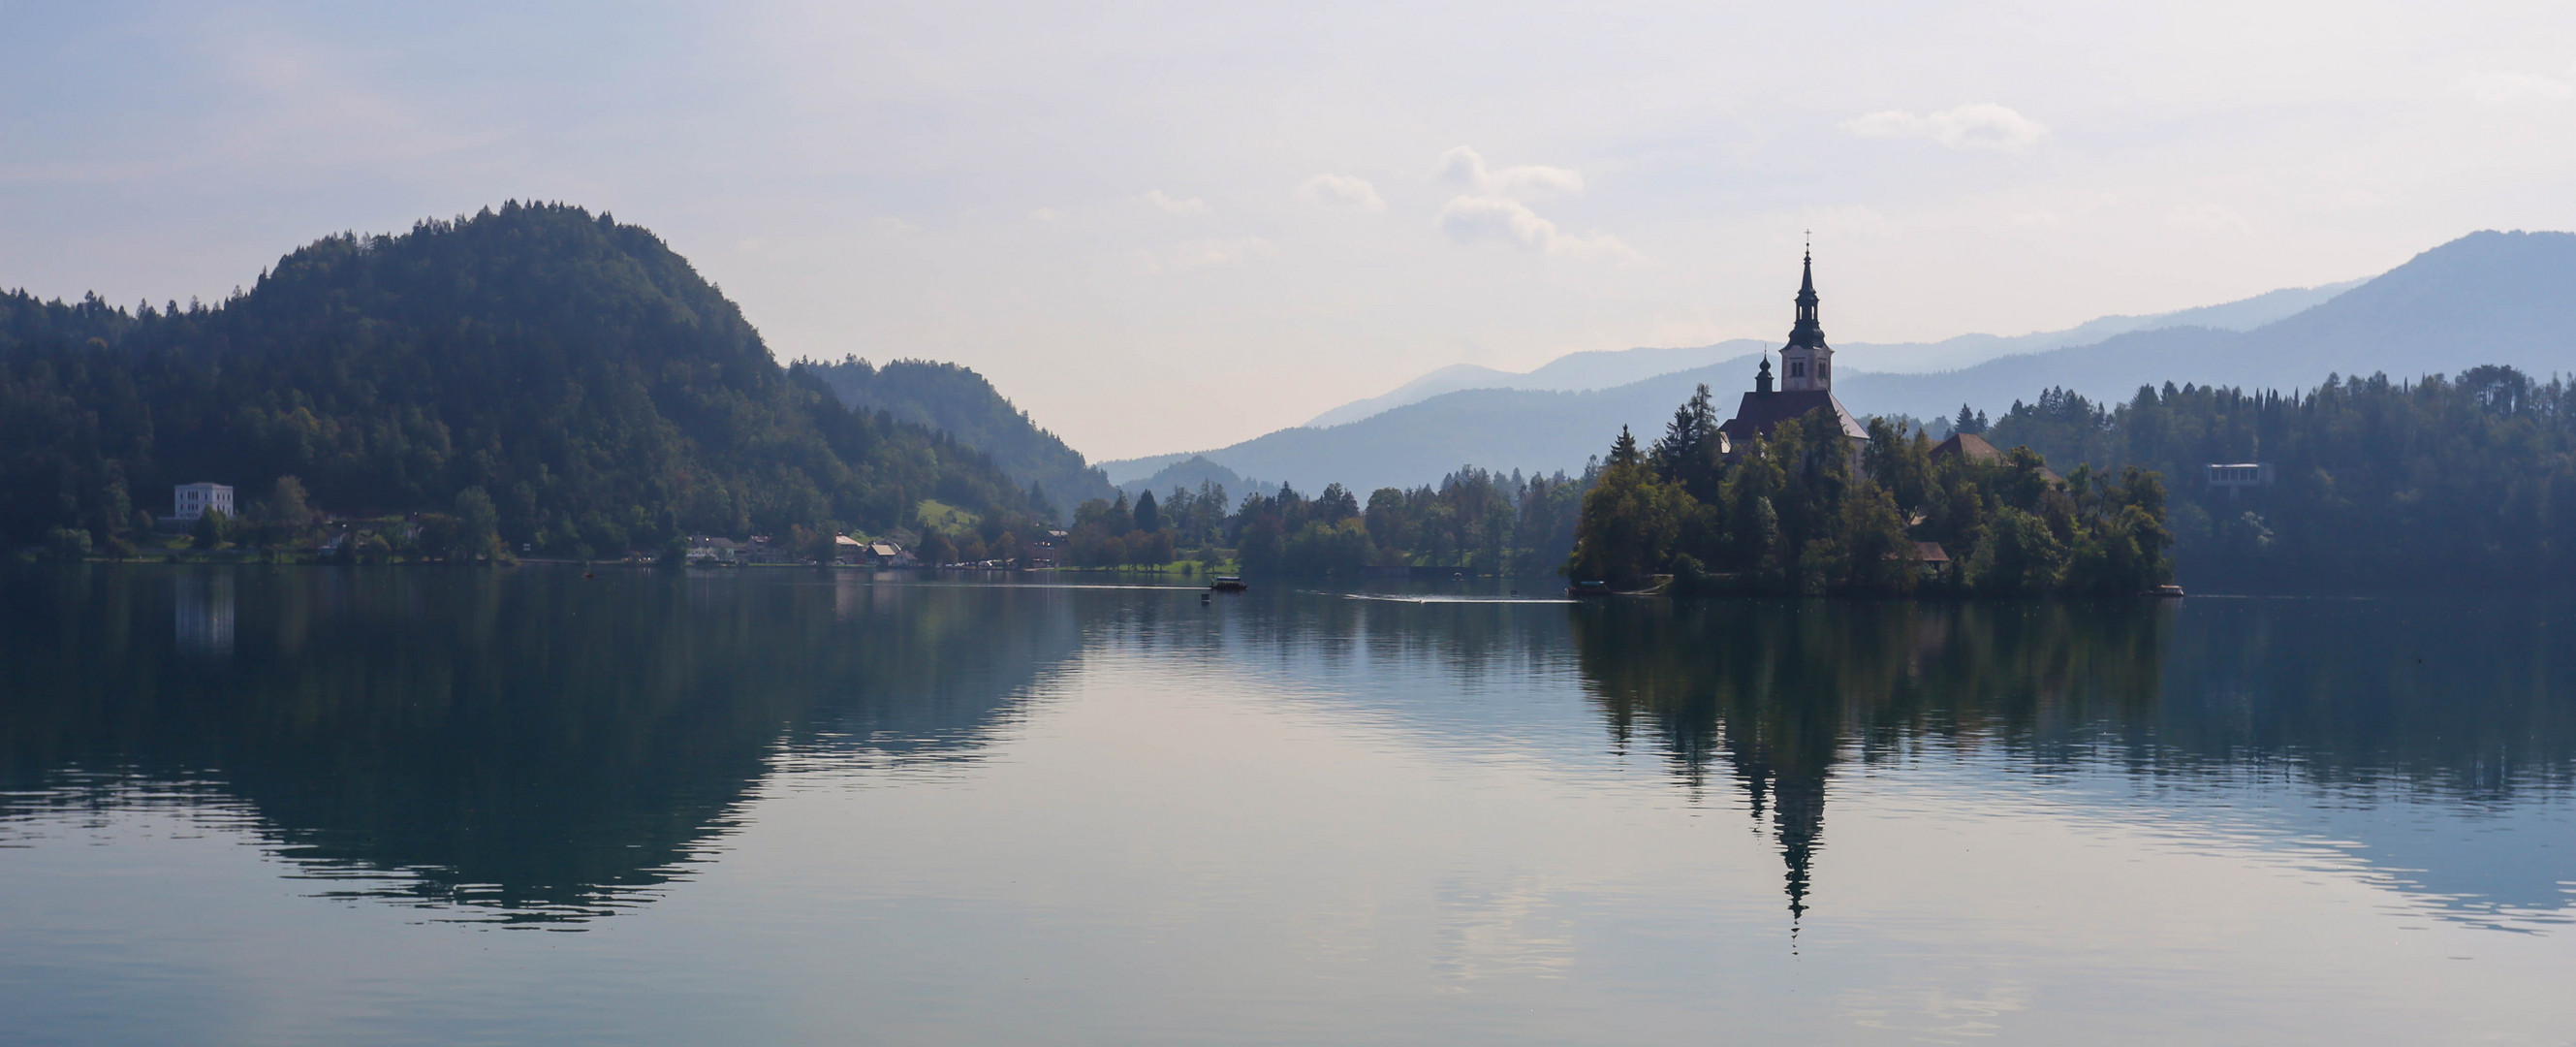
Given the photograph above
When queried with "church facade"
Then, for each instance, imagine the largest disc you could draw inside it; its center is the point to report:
(1806, 379)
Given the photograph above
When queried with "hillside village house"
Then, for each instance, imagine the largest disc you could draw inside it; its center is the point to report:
(192, 501)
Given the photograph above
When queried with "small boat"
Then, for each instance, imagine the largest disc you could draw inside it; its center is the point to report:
(1591, 588)
(2164, 592)
(1228, 583)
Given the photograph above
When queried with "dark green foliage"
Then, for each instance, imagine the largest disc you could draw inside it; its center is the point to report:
(1632, 521)
(2467, 482)
(1474, 522)
(1688, 452)
(211, 530)
(957, 401)
(1805, 511)
(580, 374)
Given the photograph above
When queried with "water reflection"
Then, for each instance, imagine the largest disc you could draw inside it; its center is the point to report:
(532, 747)
(2414, 733)
(203, 602)
(540, 747)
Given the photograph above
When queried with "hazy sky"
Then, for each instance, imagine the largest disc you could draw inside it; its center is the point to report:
(1164, 227)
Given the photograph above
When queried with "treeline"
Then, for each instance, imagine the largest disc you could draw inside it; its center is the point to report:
(576, 372)
(1475, 521)
(1804, 511)
(2377, 483)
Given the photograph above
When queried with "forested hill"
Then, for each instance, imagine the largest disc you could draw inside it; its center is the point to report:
(957, 401)
(576, 371)
(2465, 482)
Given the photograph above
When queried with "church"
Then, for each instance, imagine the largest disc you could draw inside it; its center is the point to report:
(1806, 379)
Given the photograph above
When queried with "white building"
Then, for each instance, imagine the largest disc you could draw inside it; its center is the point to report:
(194, 500)
(2238, 476)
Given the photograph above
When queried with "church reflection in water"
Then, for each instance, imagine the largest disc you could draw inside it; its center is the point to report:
(1779, 693)
(540, 747)
(2464, 705)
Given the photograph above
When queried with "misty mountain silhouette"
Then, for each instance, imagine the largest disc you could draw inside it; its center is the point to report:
(2488, 297)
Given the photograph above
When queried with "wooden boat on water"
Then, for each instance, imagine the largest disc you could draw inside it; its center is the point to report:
(1588, 589)
(1228, 583)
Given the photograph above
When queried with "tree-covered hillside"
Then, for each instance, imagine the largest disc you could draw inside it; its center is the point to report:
(2466, 482)
(957, 401)
(575, 371)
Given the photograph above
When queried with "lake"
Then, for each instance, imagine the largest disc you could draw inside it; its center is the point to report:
(283, 805)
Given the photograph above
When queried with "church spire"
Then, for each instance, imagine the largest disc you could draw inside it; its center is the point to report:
(1807, 331)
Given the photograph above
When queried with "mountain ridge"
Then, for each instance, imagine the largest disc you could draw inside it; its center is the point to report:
(1604, 368)
(2488, 297)
(954, 399)
(571, 380)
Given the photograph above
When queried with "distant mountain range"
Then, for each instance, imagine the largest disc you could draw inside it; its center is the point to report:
(1190, 472)
(1604, 369)
(2488, 297)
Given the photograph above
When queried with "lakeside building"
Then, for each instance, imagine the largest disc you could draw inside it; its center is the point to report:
(192, 501)
(1806, 380)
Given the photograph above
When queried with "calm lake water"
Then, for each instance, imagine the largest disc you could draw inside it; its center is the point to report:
(407, 805)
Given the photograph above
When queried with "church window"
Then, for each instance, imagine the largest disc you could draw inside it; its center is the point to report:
(1797, 368)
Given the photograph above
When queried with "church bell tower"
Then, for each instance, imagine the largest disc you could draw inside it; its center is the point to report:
(1807, 363)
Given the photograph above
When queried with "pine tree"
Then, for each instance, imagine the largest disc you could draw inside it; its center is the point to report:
(1148, 517)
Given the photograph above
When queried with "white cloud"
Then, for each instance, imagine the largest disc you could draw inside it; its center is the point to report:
(1182, 205)
(2500, 87)
(1981, 125)
(1465, 167)
(1212, 253)
(1470, 219)
(1343, 190)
